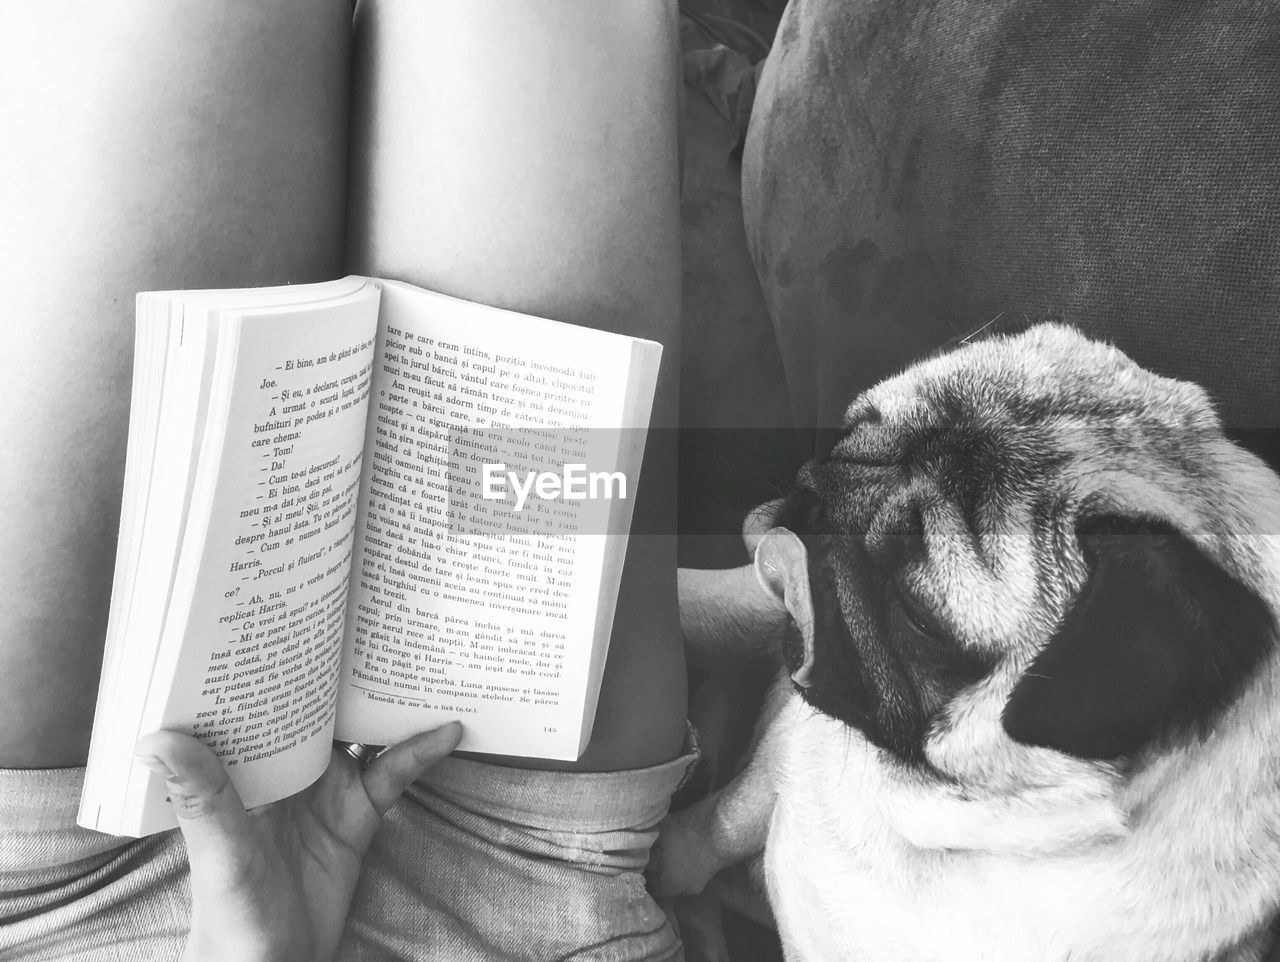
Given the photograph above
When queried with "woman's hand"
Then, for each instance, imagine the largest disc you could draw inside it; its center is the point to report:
(277, 884)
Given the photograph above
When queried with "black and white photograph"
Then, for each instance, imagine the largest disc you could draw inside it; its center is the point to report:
(640, 481)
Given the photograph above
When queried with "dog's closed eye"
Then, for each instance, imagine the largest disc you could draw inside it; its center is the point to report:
(922, 623)
(938, 664)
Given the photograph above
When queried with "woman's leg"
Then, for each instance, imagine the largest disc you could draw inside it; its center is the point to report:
(524, 155)
(149, 144)
(174, 144)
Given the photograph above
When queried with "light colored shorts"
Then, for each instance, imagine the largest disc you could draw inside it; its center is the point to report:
(476, 862)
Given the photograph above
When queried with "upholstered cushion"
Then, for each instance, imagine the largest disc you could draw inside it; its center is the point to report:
(917, 168)
(733, 408)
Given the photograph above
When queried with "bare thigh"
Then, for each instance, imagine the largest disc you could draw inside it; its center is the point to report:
(148, 144)
(174, 143)
(524, 155)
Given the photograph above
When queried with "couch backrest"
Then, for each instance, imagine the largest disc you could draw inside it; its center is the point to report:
(918, 168)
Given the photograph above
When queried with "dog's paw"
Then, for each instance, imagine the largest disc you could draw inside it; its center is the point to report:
(682, 860)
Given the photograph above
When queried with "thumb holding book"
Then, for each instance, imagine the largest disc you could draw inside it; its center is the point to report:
(277, 883)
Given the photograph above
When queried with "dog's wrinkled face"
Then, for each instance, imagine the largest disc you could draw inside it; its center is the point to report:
(1031, 530)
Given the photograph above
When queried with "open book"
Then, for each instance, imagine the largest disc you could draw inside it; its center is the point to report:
(342, 519)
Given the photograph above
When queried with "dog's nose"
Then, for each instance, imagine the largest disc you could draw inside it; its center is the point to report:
(860, 413)
(759, 520)
(800, 511)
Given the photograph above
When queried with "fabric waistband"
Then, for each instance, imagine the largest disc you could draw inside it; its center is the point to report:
(38, 809)
(563, 801)
(38, 806)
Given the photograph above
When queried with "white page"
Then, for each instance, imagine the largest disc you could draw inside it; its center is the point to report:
(495, 630)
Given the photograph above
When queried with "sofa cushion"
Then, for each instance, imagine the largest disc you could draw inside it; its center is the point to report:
(917, 169)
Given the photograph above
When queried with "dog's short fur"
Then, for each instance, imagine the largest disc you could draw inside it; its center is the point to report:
(1032, 707)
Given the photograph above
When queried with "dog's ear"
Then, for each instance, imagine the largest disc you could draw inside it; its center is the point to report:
(1158, 641)
(782, 568)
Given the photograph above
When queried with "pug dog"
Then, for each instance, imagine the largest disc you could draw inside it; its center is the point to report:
(1029, 709)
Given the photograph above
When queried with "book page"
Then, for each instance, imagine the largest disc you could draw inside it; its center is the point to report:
(463, 607)
(255, 624)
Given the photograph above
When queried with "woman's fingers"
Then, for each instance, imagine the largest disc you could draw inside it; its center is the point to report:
(220, 843)
(726, 614)
(399, 766)
(220, 840)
